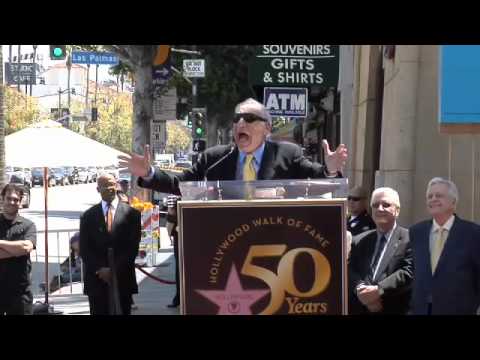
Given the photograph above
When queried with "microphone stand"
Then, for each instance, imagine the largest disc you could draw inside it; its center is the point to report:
(113, 293)
(218, 181)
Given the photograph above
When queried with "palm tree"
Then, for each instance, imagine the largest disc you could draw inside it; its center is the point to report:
(2, 125)
(121, 71)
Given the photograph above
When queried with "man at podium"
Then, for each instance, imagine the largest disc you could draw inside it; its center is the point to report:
(252, 157)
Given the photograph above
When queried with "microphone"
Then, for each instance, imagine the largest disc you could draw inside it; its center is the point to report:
(219, 161)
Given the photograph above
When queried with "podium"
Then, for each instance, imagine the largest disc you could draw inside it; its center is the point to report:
(271, 247)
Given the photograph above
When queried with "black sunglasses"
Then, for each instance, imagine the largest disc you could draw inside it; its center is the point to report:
(249, 118)
(354, 198)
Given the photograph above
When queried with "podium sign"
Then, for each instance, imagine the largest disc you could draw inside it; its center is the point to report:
(242, 257)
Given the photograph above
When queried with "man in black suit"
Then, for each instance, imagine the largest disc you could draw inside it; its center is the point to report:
(381, 263)
(109, 224)
(446, 251)
(251, 158)
(359, 219)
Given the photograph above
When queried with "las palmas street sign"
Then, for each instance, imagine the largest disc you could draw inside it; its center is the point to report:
(94, 58)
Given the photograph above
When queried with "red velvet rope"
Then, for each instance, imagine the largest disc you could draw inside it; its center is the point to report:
(153, 276)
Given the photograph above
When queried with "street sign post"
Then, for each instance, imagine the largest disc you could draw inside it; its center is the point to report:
(291, 102)
(194, 68)
(160, 76)
(27, 73)
(165, 106)
(94, 58)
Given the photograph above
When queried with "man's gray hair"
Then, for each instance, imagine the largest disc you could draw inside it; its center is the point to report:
(252, 106)
(391, 193)
(452, 188)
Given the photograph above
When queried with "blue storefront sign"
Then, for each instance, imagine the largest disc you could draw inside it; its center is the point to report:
(459, 84)
(94, 58)
(290, 102)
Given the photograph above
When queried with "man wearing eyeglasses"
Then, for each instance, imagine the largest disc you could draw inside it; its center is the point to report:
(251, 158)
(447, 256)
(17, 239)
(381, 263)
(359, 220)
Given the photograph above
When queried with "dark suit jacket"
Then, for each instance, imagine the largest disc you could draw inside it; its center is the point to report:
(281, 160)
(394, 276)
(360, 224)
(95, 241)
(454, 288)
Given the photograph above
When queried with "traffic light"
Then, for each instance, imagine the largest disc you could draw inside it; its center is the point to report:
(190, 120)
(199, 123)
(58, 52)
(94, 114)
(182, 110)
(199, 145)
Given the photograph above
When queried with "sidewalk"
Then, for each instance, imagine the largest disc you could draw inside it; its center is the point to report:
(152, 298)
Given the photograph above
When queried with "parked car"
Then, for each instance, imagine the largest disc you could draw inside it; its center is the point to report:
(83, 175)
(61, 177)
(124, 175)
(112, 170)
(26, 190)
(183, 164)
(72, 174)
(37, 177)
(93, 173)
(18, 173)
(162, 163)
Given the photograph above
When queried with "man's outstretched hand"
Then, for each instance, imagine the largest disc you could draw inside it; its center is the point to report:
(137, 164)
(335, 161)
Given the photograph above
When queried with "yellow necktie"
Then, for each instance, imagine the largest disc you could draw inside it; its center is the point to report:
(439, 242)
(249, 173)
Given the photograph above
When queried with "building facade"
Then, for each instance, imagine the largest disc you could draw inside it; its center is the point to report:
(390, 124)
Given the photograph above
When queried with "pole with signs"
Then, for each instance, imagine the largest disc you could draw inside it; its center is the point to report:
(88, 80)
(34, 62)
(18, 69)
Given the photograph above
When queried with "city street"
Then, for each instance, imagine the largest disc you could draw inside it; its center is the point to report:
(65, 205)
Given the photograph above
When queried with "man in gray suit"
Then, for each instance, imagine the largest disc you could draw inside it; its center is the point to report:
(446, 253)
(380, 264)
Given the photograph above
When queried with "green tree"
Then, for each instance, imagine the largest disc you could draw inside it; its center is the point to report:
(225, 83)
(114, 124)
(122, 71)
(179, 138)
(21, 110)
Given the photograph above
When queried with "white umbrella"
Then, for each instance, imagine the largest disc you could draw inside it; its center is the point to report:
(48, 144)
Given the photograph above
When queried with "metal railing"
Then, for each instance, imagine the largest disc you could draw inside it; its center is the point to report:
(58, 252)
